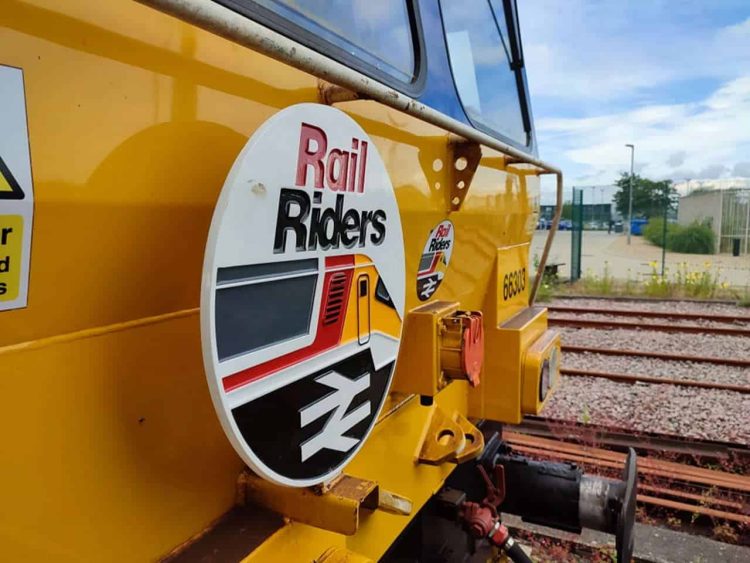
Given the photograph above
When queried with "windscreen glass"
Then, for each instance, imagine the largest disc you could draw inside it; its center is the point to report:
(480, 55)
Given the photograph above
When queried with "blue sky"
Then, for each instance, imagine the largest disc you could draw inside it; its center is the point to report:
(672, 77)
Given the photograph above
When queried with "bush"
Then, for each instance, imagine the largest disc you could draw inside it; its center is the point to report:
(654, 229)
(696, 238)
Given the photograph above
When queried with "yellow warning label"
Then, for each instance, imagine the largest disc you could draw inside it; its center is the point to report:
(4, 184)
(9, 188)
(11, 248)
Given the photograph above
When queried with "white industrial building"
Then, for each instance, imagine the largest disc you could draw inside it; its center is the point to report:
(725, 203)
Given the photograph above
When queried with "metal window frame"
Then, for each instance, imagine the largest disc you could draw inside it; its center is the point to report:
(517, 67)
(226, 23)
(305, 36)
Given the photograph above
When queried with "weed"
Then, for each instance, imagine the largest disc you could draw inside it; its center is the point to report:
(674, 522)
(743, 299)
(585, 415)
(595, 285)
(725, 533)
(699, 283)
(544, 293)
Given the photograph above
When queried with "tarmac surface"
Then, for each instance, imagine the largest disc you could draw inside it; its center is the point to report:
(599, 249)
(652, 544)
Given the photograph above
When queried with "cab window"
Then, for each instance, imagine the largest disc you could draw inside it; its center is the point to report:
(481, 59)
(381, 34)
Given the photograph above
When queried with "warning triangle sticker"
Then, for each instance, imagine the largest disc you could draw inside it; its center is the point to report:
(9, 188)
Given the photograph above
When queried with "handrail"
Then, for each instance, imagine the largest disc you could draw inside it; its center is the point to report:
(222, 21)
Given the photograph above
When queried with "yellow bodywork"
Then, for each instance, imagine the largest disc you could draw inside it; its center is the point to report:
(111, 447)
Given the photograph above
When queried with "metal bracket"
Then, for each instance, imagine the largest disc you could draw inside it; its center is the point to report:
(464, 157)
(474, 440)
(330, 94)
(336, 507)
(449, 438)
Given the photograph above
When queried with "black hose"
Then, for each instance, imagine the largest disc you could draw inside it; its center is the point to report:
(514, 552)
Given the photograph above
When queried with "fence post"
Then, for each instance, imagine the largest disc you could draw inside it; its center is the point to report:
(576, 234)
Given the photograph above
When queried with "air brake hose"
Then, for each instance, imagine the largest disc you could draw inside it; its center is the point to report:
(515, 553)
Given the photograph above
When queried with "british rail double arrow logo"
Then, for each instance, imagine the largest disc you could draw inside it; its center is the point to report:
(9, 188)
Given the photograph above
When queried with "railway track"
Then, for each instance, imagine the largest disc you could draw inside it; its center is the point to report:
(676, 368)
(630, 378)
(618, 438)
(744, 319)
(738, 362)
(632, 325)
(734, 324)
(664, 484)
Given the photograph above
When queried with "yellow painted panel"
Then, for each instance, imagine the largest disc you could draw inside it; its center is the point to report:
(111, 449)
(389, 457)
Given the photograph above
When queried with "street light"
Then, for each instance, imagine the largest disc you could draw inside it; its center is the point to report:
(630, 195)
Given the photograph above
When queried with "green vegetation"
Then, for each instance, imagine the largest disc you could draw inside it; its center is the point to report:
(549, 283)
(598, 285)
(743, 299)
(696, 238)
(701, 283)
(649, 197)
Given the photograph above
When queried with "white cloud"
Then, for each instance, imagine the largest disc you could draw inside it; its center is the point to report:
(710, 136)
(581, 50)
(671, 77)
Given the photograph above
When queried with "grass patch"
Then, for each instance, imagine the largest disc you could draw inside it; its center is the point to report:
(699, 283)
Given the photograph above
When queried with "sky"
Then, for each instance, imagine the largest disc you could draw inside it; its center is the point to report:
(670, 76)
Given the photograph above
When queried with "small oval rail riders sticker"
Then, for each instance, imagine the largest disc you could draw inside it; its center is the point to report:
(435, 259)
(303, 295)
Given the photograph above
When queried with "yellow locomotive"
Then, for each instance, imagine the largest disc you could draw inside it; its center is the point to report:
(265, 282)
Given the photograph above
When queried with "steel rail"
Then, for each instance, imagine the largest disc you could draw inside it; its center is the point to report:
(693, 329)
(596, 457)
(704, 499)
(629, 299)
(615, 466)
(614, 460)
(564, 430)
(693, 509)
(655, 466)
(628, 378)
(217, 19)
(650, 314)
(738, 362)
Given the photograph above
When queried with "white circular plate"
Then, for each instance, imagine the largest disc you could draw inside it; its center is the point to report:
(302, 299)
(435, 259)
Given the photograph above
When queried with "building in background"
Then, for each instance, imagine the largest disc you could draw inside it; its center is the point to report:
(726, 210)
(688, 186)
(598, 207)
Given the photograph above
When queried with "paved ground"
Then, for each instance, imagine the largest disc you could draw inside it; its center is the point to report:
(599, 247)
(652, 544)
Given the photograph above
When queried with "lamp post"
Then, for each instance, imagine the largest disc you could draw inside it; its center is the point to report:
(630, 194)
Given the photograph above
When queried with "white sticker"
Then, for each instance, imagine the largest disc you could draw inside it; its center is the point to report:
(16, 192)
(303, 295)
(435, 259)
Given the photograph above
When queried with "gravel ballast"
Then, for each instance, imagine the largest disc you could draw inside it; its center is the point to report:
(714, 346)
(706, 414)
(633, 365)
